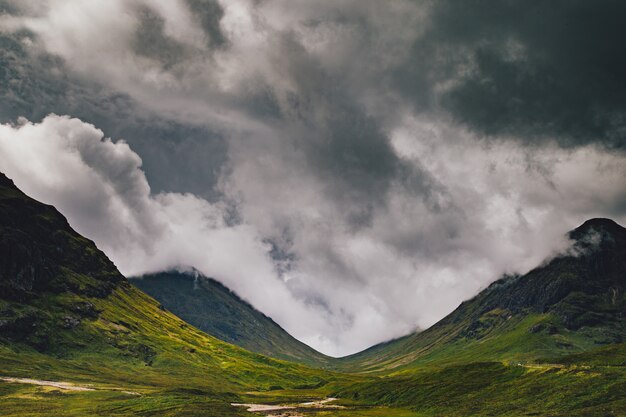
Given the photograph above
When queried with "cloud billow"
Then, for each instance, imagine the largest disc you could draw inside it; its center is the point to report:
(374, 163)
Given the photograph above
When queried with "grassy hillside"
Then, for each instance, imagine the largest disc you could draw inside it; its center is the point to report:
(549, 343)
(501, 389)
(216, 310)
(574, 303)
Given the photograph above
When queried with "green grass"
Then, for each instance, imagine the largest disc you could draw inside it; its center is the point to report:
(183, 371)
(135, 346)
(134, 342)
(496, 389)
(19, 400)
(186, 372)
(28, 400)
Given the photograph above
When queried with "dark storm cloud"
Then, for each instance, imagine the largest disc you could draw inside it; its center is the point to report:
(151, 41)
(209, 13)
(178, 157)
(347, 148)
(6, 6)
(528, 69)
(351, 154)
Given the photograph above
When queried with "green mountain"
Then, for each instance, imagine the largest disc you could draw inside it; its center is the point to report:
(573, 303)
(549, 343)
(211, 307)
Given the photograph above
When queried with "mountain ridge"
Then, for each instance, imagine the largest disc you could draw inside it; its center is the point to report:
(578, 291)
(217, 310)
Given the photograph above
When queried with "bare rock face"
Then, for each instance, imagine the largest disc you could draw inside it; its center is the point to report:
(22, 264)
(38, 248)
(69, 322)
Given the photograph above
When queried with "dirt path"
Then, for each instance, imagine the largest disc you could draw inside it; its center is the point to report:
(263, 408)
(62, 385)
(321, 403)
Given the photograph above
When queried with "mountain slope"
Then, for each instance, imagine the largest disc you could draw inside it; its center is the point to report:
(211, 307)
(546, 343)
(66, 313)
(572, 304)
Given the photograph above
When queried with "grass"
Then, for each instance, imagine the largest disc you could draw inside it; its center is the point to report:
(135, 345)
(27, 400)
(24, 400)
(497, 389)
(134, 342)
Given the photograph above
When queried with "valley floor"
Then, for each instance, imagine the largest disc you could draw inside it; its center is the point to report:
(29, 397)
(481, 389)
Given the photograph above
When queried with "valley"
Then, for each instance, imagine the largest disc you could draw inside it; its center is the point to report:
(77, 338)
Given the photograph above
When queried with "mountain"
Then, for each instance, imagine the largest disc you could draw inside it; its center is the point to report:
(548, 343)
(66, 313)
(573, 303)
(211, 307)
(76, 339)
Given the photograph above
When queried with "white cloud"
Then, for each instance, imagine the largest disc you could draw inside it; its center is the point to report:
(495, 209)
(99, 186)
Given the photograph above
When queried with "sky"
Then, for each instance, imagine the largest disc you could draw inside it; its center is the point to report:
(355, 169)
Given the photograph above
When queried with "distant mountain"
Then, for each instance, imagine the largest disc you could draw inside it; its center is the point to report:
(573, 303)
(66, 313)
(213, 308)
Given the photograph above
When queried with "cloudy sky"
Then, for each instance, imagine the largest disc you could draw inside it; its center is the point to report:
(353, 168)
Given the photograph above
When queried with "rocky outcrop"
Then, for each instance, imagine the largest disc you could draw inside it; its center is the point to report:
(38, 248)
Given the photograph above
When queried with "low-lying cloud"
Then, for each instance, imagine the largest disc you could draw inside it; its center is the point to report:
(99, 185)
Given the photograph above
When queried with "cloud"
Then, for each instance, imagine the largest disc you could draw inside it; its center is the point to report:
(376, 163)
(37, 83)
(98, 184)
(488, 209)
(538, 71)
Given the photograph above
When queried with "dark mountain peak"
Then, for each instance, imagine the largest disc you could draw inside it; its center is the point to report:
(572, 301)
(191, 276)
(581, 286)
(603, 241)
(217, 310)
(6, 181)
(600, 228)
